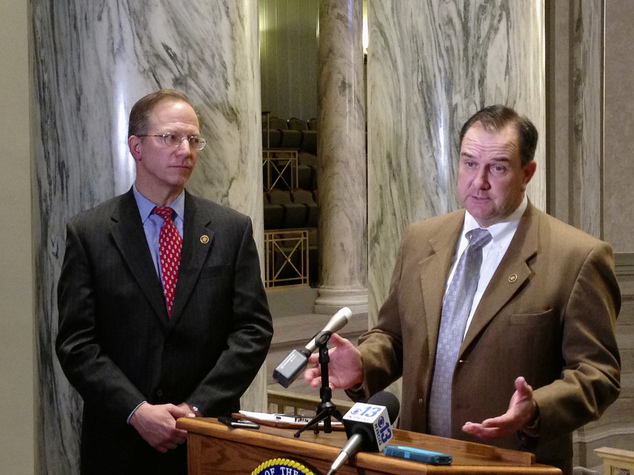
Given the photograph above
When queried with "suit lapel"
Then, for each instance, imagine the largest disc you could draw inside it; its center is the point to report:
(509, 277)
(128, 234)
(197, 242)
(434, 271)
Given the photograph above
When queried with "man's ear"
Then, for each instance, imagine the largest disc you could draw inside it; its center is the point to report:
(529, 171)
(135, 145)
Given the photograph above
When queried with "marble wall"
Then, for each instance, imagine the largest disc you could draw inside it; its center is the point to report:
(619, 126)
(431, 65)
(618, 202)
(575, 113)
(616, 426)
(91, 62)
(589, 58)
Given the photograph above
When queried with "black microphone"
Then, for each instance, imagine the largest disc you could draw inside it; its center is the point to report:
(296, 361)
(368, 426)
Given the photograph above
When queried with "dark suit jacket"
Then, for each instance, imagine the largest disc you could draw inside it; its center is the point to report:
(116, 343)
(548, 314)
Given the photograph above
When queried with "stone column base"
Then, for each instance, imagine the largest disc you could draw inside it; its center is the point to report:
(330, 300)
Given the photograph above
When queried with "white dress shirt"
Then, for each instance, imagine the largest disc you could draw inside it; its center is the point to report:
(502, 233)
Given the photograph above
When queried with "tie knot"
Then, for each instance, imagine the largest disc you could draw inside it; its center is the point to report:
(164, 212)
(479, 237)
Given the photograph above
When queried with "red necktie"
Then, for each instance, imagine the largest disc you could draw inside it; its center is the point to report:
(170, 244)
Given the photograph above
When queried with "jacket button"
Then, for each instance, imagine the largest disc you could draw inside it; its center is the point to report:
(159, 392)
(420, 400)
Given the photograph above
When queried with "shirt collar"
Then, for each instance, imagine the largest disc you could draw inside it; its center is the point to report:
(146, 206)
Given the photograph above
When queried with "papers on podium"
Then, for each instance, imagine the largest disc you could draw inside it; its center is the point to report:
(285, 420)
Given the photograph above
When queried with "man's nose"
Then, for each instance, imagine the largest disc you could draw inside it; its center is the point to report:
(482, 178)
(188, 146)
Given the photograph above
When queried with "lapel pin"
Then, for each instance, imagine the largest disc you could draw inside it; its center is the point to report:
(512, 278)
(204, 239)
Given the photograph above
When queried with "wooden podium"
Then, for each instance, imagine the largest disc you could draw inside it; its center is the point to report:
(214, 448)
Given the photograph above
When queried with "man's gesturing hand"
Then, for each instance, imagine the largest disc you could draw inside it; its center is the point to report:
(521, 413)
(345, 368)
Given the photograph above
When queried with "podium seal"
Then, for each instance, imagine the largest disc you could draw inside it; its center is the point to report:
(281, 467)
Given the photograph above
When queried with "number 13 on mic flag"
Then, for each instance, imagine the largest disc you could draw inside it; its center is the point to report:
(374, 417)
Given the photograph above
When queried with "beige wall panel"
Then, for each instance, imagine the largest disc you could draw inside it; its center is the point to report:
(17, 447)
(619, 125)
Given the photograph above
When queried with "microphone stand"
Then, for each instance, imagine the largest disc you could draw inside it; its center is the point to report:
(326, 408)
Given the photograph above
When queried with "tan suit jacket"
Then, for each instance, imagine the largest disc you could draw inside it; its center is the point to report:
(548, 314)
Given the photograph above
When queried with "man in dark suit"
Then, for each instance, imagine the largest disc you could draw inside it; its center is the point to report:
(141, 353)
(536, 354)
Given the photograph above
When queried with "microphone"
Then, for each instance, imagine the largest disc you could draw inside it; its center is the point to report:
(368, 426)
(296, 361)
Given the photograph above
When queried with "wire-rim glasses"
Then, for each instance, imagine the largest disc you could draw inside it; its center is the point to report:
(174, 140)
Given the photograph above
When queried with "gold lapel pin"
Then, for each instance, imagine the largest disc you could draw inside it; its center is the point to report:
(512, 278)
(204, 239)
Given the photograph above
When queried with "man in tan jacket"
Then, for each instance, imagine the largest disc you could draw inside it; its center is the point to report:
(538, 356)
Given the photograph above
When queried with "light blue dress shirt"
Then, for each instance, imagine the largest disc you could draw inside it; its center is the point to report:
(152, 223)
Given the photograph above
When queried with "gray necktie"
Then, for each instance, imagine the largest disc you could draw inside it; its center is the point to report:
(455, 313)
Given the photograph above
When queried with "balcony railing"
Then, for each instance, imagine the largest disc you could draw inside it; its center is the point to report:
(279, 169)
(286, 252)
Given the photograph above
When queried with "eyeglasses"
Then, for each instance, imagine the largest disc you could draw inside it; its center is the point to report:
(173, 140)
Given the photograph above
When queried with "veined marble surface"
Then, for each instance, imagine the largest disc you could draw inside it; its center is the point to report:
(587, 120)
(431, 65)
(91, 62)
(342, 160)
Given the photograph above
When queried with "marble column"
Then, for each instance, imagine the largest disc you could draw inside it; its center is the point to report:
(431, 65)
(91, 62)
(342, 158)
(576, 114)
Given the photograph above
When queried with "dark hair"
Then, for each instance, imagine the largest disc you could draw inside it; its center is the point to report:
(495, 118)
(141, 112)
